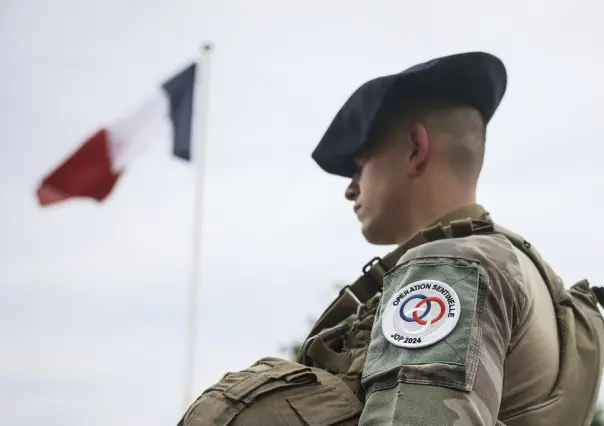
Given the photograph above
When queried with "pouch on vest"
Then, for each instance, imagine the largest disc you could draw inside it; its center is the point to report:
(276, 392)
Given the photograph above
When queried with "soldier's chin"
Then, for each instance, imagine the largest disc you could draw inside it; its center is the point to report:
(375, 234)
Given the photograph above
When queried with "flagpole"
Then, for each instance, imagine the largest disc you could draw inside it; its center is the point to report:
(198, 141)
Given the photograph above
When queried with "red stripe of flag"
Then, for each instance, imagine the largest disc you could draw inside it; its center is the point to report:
(87, 172)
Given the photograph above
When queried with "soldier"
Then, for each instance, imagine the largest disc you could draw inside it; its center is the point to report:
(464, 323)
(454, 311)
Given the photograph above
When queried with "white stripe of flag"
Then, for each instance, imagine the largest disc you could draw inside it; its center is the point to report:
(94, 168)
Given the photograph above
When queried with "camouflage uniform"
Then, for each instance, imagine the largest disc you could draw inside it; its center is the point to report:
(460, 379)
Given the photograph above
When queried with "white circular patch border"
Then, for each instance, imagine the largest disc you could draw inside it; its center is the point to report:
(419, 339)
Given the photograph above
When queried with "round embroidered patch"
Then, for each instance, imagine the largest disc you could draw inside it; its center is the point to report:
(420, 314)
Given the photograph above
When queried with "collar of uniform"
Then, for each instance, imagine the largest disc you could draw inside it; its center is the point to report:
(472, 211)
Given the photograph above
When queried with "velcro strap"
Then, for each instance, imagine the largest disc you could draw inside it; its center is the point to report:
(225, 400)
(288, 373)
(220, 412)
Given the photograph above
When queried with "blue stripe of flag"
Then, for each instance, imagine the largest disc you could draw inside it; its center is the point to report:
(180, 94)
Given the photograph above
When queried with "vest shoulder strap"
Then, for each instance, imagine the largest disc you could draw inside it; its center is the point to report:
(559, 294)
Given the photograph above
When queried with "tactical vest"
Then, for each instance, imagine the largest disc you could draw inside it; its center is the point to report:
(323, 386)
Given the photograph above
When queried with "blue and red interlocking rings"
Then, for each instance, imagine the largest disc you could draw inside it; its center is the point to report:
(423, 300)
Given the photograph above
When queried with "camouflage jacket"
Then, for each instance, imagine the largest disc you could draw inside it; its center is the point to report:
(468, 330)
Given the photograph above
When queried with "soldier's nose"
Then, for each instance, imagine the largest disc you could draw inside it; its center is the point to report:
(351, 192)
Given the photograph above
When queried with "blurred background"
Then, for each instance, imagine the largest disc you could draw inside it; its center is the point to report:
(93, 297)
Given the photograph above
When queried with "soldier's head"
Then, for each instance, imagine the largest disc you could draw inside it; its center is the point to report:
(413, 143)
(424, 158)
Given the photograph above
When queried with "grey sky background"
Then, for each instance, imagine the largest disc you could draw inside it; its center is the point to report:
(92, 297)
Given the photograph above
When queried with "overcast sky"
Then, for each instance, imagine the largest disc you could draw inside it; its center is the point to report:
(93, 297)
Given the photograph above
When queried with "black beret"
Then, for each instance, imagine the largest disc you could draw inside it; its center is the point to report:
(475, 78)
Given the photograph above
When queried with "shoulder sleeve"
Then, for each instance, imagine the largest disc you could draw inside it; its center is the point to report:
(439, 339)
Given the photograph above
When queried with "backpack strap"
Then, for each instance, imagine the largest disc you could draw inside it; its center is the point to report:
(352, 298)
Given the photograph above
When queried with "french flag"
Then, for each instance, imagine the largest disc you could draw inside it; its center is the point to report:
(94, 168)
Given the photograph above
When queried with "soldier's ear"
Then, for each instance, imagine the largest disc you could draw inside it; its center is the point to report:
(420, 148)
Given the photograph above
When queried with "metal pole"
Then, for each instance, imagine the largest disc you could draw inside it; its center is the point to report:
(198, 141)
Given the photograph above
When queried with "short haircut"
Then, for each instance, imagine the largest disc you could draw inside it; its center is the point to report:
(458, 127)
